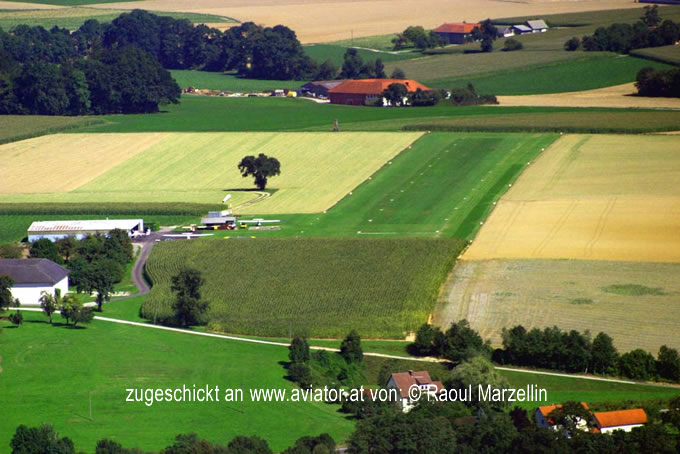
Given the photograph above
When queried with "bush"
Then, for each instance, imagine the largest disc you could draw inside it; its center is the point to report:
(572, 44)
(16, 318)
(512, 44)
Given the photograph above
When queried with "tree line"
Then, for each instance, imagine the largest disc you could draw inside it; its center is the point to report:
(44, 439)
(550, 348)
(658, 82)
(55, 73)
(649, 31)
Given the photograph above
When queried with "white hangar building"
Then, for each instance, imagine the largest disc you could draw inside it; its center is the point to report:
(55, 230)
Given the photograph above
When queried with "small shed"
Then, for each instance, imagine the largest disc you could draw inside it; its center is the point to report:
(505, 32)
(521, 29)
(319, 88)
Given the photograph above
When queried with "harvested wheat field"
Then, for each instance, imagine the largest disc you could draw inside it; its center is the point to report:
(317, 169)
(600, 197)
(22, 5)
(310, 18)
(618, 96)
(635, 303)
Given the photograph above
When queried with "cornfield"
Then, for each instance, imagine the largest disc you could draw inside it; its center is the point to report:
(313, 287)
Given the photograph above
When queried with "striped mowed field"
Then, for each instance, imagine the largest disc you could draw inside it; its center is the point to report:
(602, 197)
(317, 169)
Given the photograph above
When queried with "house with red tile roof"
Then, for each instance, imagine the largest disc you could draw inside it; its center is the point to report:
(404, 381)
(543, 419)
(358, 92)
(455, 33)
(626, 420)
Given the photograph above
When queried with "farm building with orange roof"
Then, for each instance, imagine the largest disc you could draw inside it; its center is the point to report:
(456, 33)
(626, 420)
(358, 92)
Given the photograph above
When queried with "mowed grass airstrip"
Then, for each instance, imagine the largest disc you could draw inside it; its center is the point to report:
(317, 168)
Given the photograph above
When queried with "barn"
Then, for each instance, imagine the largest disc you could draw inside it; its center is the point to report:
(625, 420)
(319, 88)
(537, 26)
(55, 230)
(34, 276)
(358, 92)
(455, 33)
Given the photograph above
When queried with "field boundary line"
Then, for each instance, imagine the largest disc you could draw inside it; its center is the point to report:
(557, 374)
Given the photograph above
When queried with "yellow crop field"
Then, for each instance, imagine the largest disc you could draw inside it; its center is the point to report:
(310, 18)
(63, 162)
(634, 302)
(317, 169)
(597, 197)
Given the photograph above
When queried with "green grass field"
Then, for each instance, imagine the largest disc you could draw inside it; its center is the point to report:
(317, 287)
(200, 113)
(55, 369)
(562, 389)
(335, 53)
(665, 54)
(563, 76)
(72, 18)
(444, 186)
(318, 169)
(18, 127)
(229, 82)
(378, 42)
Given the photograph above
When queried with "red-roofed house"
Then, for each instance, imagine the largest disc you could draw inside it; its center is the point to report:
(357, 92)
(609, 421)
(542, 419)
(403, 381)
(457, 33)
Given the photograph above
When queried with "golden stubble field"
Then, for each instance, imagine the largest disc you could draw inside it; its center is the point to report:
(619, 96)
(636, 303)
(317, 169)
(601, 197)
(330, 20)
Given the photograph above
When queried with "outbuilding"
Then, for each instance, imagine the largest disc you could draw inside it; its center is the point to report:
(34, 276)
(625, 420)
(55, 230)
(537, 26)
(456, 33)
(319, 88)
(359, 92)
(521, 29)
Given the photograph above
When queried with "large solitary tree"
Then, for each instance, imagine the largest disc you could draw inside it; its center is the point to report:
(261, 167)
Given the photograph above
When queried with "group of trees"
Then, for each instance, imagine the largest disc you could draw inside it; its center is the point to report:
(658, 83)
(44, 439)
(572, 351)
(458, 343)
(322, 368)
(96, 262)
(649, 31)
(48, 73)
(550, 348)
(398, 95)
(418, 37)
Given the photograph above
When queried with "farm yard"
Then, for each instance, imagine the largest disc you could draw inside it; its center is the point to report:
(180, 176)
(590, 197)
(634, 302)
(316, 287)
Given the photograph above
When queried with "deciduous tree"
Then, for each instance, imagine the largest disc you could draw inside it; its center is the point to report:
(188, 306)
(261, 168)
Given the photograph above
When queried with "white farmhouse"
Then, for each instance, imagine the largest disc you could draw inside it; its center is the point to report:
(403, 381)
(626, 420)
(55, 230)
(34, 276)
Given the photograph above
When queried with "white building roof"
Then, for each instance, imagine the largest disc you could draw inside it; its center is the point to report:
(83, 226)
(522, 28)
(537, 24)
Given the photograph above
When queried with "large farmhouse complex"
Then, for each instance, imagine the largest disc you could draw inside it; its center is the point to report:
(55, 230)
(359, 92)
(32, 277)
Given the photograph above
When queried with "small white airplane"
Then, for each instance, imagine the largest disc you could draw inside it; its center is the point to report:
(259, 222)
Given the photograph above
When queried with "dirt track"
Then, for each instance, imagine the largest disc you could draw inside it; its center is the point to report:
(616, 96)
(329, 20)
